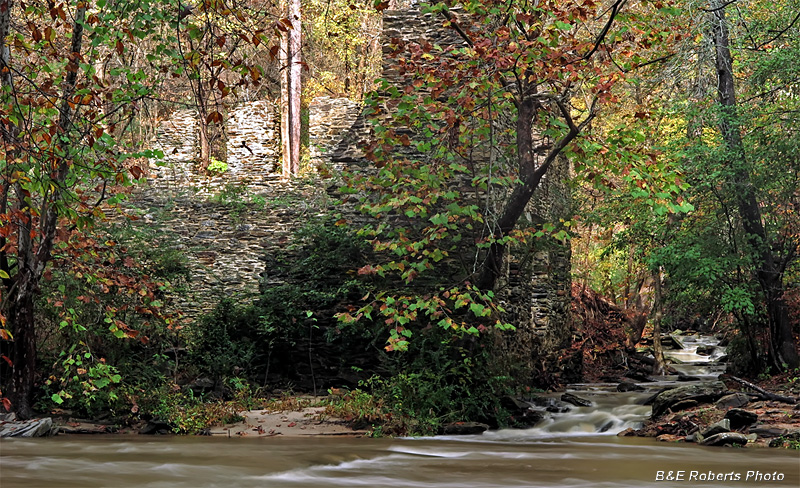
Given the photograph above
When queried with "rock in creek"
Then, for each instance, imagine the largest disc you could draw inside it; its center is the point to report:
(705, 350)
(740, 418)
(27, 428)
(683, 396)
(550, 404)
(629, 386)
(522, 415)
(639, 376)
(734, 400)
(575, 400)
(725, 438)
(156, 426)
(464, 428)
(723, 425)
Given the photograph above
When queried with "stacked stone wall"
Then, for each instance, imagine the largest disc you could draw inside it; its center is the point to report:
(228, 243)
(253, 132)
(176, 137)
(329, 120)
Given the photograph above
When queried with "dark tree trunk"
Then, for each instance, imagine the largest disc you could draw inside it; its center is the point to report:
(23, 353)
(782, 350)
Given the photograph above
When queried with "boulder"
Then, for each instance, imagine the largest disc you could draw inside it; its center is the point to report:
(575, 400)
(551, 404)
(526, 419)
(705, 350)
(734, 400)
(766, 431)
(777, 442)
(156, 426)
(649, 400)
(723, 425)
(522, 415)
(793, 435)
(513, 404)
(464, 428)
(680, 397)
(629, 386)
(695, 437)
(677, 341)
(724, 439)
(28, 428)
(639, 376)
(683, 405)
(740, 419)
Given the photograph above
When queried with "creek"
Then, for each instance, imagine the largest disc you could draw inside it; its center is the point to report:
(573, 449)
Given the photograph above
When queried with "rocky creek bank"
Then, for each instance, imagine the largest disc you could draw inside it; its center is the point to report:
(725, 412)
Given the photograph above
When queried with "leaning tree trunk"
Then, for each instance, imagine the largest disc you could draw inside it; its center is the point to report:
(782, 349)
(530, 176)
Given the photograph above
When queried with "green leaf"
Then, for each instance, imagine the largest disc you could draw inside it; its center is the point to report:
(439, 219)
(562, 25)
(57, 398)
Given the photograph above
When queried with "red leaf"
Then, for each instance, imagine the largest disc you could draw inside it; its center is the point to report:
(367, 270)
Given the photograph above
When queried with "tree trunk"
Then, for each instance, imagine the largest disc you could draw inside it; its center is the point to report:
(782, 350)
(290, 62)
(659, 366)
(23, 352)
(295, 68)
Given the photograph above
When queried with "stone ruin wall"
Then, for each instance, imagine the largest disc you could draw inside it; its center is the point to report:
(227, 223)
(252, 129)
(329, 119)
(228, 246)
(253, 152)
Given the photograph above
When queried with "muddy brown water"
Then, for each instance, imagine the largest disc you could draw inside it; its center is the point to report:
(498, 460)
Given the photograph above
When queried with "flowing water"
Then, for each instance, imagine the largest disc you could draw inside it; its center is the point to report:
(574, 449)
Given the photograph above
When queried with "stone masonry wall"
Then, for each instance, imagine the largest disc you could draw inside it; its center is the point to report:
(253, 149)
(228, 242)
(329, 120)
(176, 137)
(253, 132)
